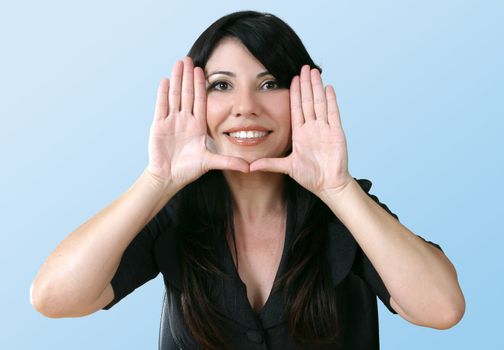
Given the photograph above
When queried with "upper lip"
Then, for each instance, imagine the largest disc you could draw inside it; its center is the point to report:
(246, 128)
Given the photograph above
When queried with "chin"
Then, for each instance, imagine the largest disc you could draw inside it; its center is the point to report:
(250, 157)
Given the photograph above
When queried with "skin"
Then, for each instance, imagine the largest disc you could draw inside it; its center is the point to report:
(187, 139)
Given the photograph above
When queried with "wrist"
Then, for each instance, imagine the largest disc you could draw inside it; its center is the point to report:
(161, 186)
(342, 200)
(337, 191)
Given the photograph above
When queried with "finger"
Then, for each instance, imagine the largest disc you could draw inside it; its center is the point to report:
(175, 86)
(333, 115)
(199, 108)
(295, 103)
(188, 85)
(273, 165)
(161, 110)
(215, 161)
(319, 98)
(306, 94)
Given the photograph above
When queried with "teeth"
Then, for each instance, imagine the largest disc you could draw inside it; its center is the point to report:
(248, 134)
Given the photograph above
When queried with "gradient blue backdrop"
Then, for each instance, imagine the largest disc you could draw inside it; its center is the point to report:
(420, 89)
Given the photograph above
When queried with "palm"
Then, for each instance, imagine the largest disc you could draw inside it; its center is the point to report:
(177, 151)
(317, 161)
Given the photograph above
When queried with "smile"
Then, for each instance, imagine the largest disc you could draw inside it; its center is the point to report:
(247, 137)
(248, 134)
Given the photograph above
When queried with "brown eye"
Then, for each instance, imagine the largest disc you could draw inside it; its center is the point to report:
(270, 85)
(219, 86)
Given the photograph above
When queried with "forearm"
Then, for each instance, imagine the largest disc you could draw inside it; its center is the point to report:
(83, 264)
(419, 277)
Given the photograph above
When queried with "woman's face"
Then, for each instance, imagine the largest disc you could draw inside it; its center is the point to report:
(248, 115)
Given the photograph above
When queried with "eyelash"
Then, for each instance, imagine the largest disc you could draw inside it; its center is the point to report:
(213, 86)
(271, 82)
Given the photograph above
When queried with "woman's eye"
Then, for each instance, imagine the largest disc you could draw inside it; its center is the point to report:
(270, 84)
(219, 85)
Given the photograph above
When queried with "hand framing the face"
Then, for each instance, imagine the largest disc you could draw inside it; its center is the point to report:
(319, 158)
(178, 134)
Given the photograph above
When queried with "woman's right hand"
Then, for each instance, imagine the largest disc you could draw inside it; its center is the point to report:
(178, 135)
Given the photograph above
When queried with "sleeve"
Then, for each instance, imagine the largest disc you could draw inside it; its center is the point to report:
(138, 264)
(363, 266)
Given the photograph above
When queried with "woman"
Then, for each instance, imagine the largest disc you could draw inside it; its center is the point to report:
(248, 209)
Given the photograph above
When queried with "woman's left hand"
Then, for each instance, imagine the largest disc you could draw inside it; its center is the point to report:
(319, 158)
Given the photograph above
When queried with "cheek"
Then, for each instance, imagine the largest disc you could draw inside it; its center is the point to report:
(215, 114)
(285, 113)
(280, 108)
(284, 118)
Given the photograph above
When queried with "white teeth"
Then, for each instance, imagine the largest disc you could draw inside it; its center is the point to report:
(248, 134)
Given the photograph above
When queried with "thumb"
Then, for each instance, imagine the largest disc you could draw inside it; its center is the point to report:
(216, 161)
(274, 165)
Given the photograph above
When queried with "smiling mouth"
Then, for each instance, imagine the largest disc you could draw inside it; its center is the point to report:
(247, 138)
(245, 135)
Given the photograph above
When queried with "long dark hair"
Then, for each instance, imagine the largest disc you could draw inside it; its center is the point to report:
(205, 208)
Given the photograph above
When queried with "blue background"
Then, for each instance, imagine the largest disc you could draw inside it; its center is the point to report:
(420, 90)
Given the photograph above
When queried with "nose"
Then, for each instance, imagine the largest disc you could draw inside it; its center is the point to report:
(245, 103)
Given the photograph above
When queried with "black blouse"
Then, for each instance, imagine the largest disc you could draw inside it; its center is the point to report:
(154, 250)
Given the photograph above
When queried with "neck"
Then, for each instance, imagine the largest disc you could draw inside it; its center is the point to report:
(256, 195)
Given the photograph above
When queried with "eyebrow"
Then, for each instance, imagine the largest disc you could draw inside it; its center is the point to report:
(231, 74)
